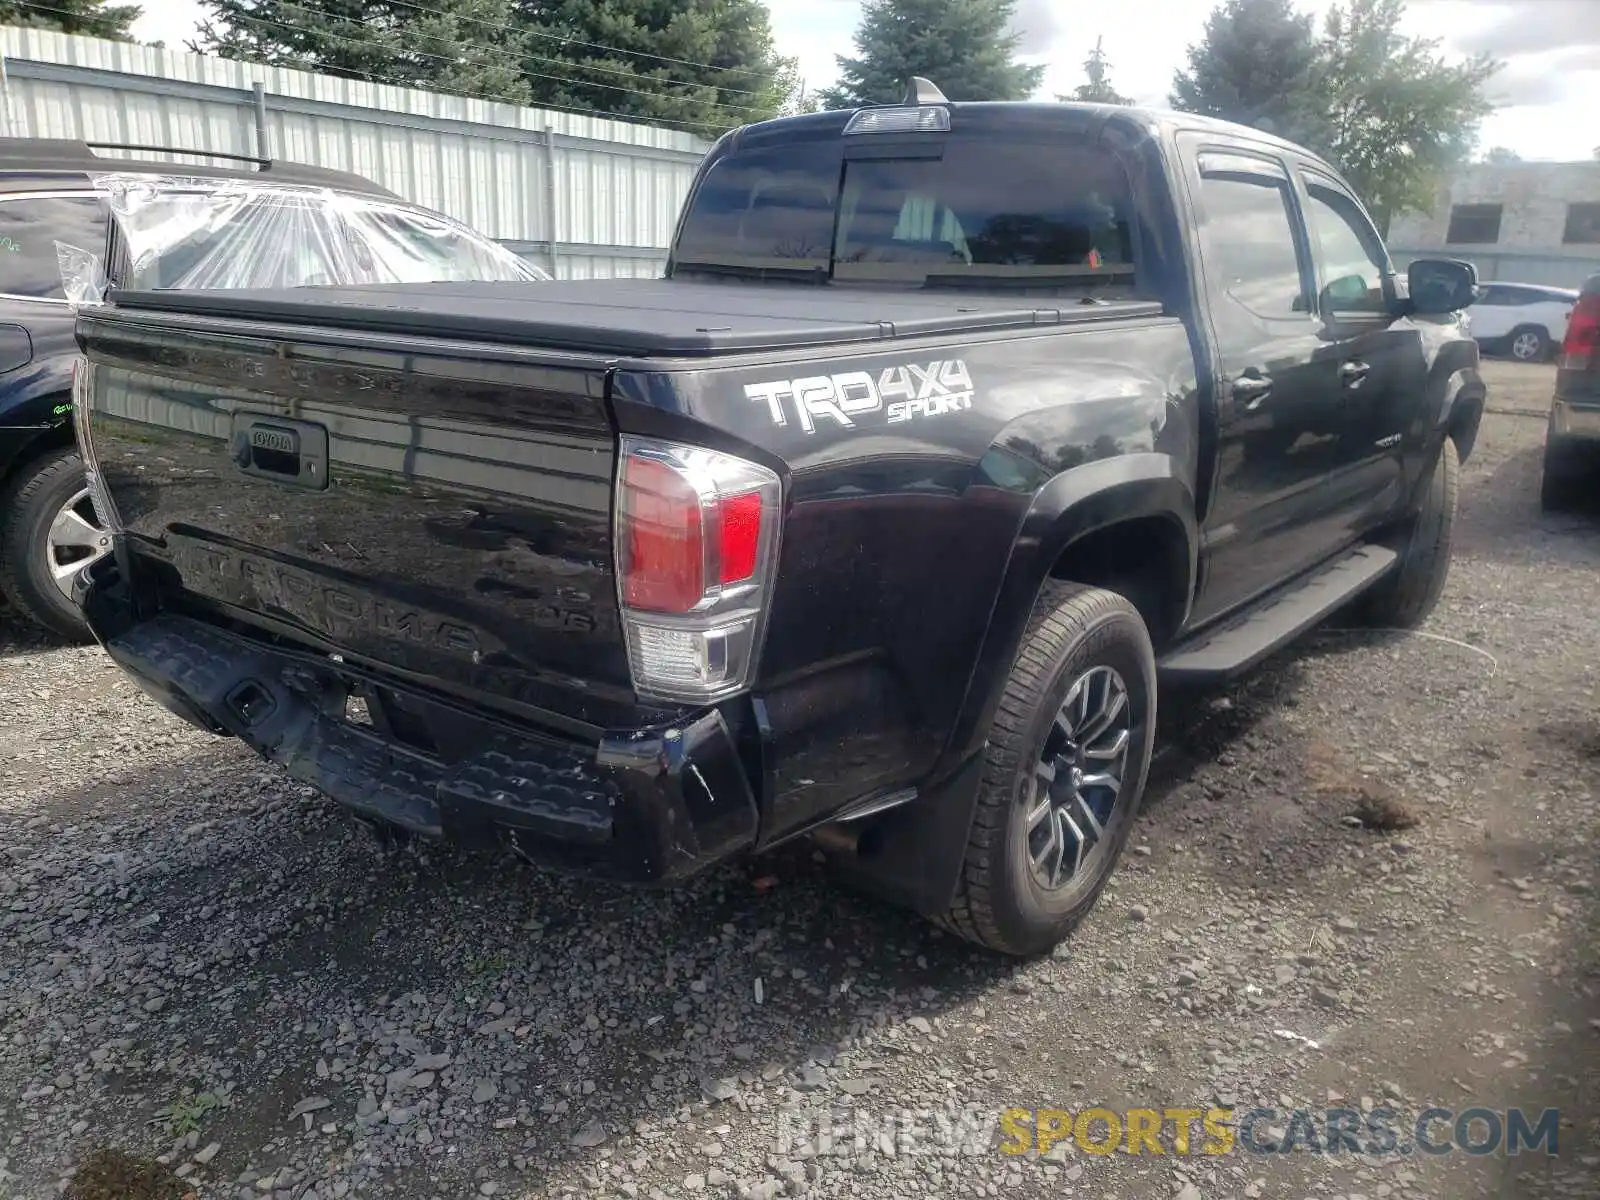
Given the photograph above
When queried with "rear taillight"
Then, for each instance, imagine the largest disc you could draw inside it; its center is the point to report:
(1581, 348)
(696, 538)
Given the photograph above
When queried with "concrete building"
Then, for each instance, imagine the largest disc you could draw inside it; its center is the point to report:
(1519, 222)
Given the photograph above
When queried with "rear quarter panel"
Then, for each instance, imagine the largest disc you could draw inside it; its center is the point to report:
(903, 512)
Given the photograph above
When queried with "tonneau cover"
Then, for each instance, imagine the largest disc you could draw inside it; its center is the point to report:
(637, 317)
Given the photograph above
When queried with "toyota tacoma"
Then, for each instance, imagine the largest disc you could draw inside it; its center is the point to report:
(952, 432)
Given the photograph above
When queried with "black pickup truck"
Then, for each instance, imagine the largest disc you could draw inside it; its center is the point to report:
(950, 430)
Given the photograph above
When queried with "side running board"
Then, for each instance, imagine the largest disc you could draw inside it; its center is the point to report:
(1240, 642)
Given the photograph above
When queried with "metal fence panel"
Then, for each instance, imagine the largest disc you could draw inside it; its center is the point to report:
(612, 197)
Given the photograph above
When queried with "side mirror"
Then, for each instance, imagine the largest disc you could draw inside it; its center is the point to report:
(1348, 293)
(1441, 285)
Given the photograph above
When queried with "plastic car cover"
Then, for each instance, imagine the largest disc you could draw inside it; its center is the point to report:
(185, 233)
(82, 274)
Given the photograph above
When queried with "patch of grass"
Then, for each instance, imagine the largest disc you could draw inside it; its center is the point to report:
(188, 1113)
(493, 963)
(108, 1174)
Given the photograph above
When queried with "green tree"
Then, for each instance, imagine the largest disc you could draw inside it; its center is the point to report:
(1400, 116)
(700, 65)
(1259, 64)
(963, 46)
(1385, 108)
(1500, 156)
(360, 39)
(94, 18)
(1098, 90)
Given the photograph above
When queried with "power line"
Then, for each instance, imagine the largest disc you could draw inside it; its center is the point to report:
(566, 41)
(445, 58)
(435, 85)
(529, 57)
(372, 77)
(521, 59)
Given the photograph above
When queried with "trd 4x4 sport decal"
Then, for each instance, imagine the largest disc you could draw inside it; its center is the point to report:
(914, 390)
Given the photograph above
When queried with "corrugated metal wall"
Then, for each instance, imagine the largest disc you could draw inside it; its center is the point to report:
(616, 191)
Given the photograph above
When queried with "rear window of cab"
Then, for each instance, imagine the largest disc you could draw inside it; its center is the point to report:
(989, 211)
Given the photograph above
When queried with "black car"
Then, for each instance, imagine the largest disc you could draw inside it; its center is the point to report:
(1572, 440)
(50, 200)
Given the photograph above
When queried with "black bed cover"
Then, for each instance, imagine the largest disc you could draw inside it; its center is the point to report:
(637, 317)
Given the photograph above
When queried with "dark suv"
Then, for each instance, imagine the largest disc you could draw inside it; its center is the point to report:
(1572, 440)
(49, 197)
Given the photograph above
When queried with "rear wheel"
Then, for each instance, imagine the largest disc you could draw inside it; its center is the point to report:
(1407, 596)
(1064, 773)
(1531, 343)
(48, 535)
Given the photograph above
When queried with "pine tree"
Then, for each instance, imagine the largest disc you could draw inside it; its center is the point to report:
(700, 65)
(1259, 64)
(1098, 90)
(93, 18)
(473, 47)
(361, 39)
(964, 46)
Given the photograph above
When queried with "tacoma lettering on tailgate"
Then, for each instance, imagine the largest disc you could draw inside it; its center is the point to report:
(242, 578)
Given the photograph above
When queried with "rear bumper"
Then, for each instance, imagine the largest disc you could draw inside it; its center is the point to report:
(648, 805)
(1569, 420)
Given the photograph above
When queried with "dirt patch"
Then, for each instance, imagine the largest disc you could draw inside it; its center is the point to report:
(109, 1174)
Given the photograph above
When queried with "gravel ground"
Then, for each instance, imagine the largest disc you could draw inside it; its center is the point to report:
(205, 963)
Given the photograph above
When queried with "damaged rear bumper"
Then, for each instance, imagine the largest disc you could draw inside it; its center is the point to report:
(648, 805)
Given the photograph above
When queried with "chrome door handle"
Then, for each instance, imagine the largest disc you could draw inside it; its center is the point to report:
(1353, 372)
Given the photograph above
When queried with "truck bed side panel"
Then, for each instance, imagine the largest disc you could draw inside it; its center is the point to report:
(902, 520)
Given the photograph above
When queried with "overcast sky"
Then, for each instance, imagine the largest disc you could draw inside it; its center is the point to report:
(1549, 90)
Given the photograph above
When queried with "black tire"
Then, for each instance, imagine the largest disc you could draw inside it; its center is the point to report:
(27, 507)
(1561, 485)
(999, 903)
(1406, 597)
(1529, 343)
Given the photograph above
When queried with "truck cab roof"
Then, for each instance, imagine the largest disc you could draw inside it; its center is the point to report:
(1013, 115)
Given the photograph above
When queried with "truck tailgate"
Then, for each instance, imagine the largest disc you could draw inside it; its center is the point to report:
(425, 508)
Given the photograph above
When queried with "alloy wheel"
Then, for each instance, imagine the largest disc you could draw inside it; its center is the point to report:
(75, 541)
(1078, 779)
(1526, 346)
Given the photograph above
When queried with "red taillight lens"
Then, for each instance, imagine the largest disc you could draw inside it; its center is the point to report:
(679, 542)
(738, 537)
(663, 534)
(1582, 342)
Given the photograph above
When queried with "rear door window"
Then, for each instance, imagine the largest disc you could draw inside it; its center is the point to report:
(30, 227)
